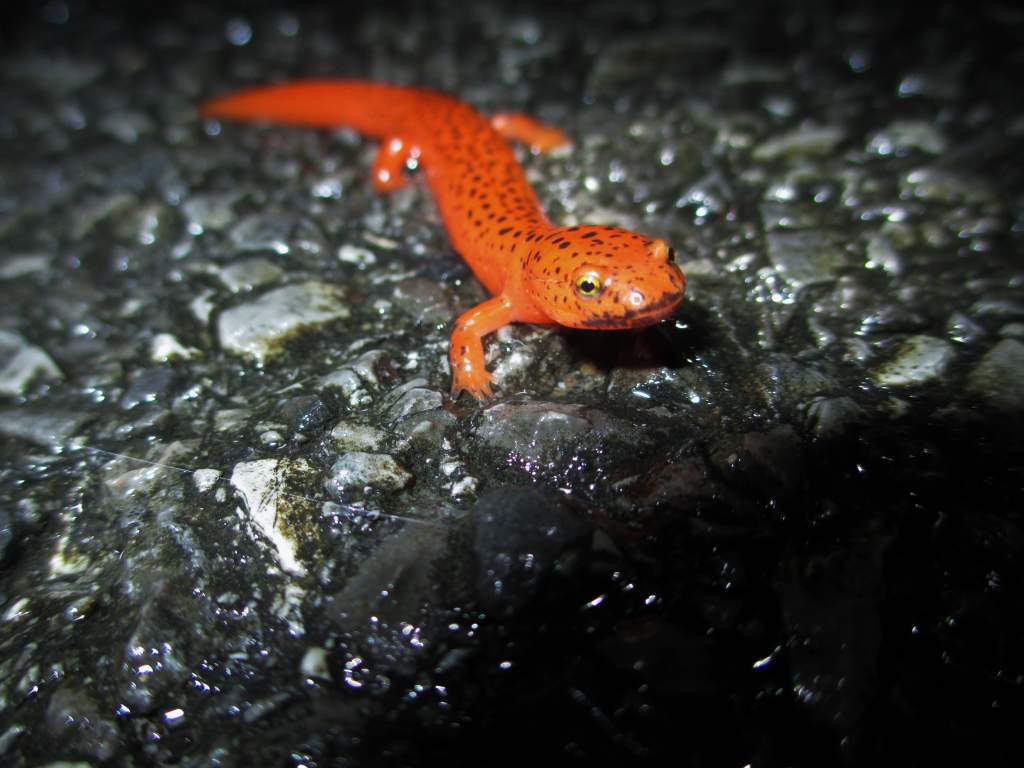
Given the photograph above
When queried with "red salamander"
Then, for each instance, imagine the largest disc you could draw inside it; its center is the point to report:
(595, 277)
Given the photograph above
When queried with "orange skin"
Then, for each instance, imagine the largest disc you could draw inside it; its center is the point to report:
(593, 277)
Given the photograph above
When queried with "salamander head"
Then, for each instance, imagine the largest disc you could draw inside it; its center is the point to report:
(603, 278)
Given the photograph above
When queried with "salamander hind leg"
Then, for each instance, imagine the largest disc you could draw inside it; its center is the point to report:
(539, 137)
(390, 164)
(466, 352)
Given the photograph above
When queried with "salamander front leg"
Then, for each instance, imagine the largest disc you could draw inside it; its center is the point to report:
(539, 137)
(467, 351)
(389, 165)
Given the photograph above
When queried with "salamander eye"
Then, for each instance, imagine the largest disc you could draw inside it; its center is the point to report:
(671, 255)
(588, 285)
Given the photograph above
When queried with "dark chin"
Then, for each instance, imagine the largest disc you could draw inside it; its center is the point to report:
(620, 324)
(626, 322)
(639, 319)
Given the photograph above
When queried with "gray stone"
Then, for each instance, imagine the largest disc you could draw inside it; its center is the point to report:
(413, 397)
(902, 136)
(257, 328)
(393, 585)
(274, 496)
(210, 211)
(263, 232)
(6, 537)
(831, 417)
(350, 436)
(809, 140)
(358, 471)
(49, 428)
(918, 360)
(881, 254)
(805, 258)
(997, 378)
(943, 186)
(425, 300)
(248, 274)
(73, 718)
(21, 364)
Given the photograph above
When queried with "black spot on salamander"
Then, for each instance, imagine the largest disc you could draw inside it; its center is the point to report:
(504, 231)
(589, 234)
(563, 245)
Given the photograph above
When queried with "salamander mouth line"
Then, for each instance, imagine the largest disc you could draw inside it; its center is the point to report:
(647, 316)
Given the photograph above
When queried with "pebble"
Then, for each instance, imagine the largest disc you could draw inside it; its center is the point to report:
(350, 436)
(918, 360)
(264, 488)
(305, 413)
(830, 417)
(944, 186)
(413, 397)
(22, 363)
(15, 267)
(209, 211)
(165, 347)
(528, 426)
(806, 257)
(997, 378)
(256, 328)
(205, 479)
(263, 232)
(808, 140)
(46, 427)
(315, 663)
(357, 470)
(356, 376)
(6, 537)
(73, 718)
(248, 274)
(881, 254)
(425, 300)
(1012, 331)
(353, 254)
(902, 136)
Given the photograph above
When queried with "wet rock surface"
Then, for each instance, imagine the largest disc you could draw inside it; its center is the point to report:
(242, 522)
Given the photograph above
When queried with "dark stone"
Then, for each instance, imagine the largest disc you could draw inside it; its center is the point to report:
(520, 537)
(306, 413)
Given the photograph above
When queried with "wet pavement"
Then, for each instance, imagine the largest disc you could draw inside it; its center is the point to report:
(242, 522)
